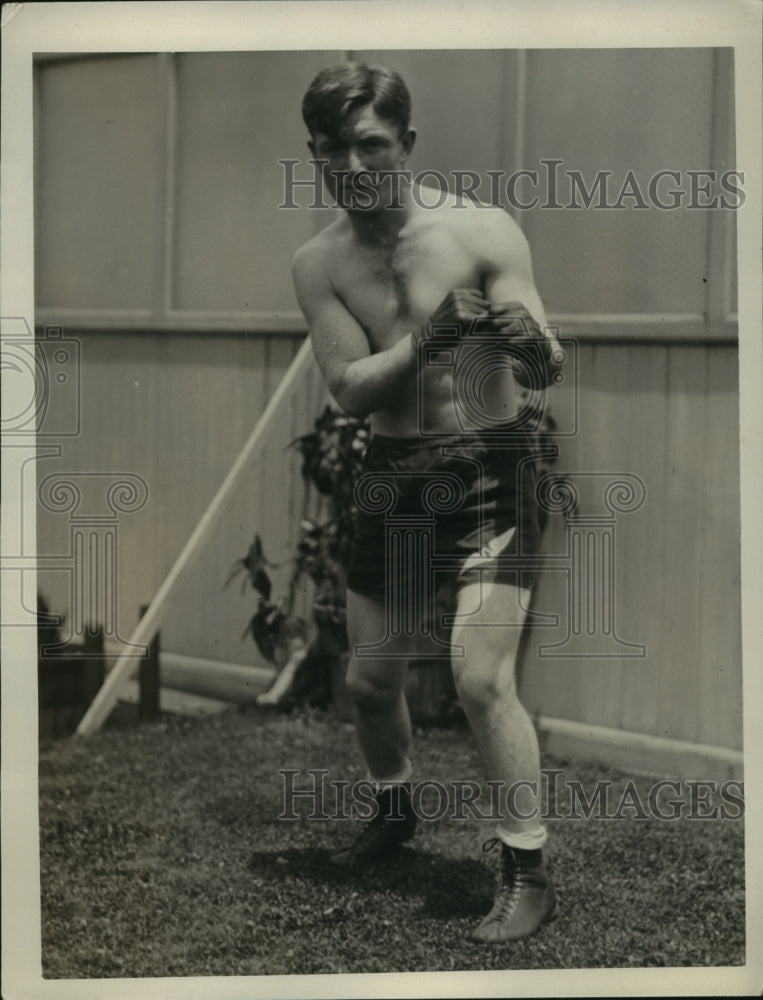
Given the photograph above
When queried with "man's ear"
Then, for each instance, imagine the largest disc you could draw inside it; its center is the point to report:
(408, 141)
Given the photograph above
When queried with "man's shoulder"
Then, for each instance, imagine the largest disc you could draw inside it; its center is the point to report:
(314, 264)
(478, 223)
(485, 220)
(317, 249)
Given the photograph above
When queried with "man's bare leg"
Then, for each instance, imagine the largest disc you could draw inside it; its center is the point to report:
(486, 682)
(383, 727)
(489, 619)
(376, 686)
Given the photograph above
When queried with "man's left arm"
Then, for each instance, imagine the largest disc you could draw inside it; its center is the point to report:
(516, 310)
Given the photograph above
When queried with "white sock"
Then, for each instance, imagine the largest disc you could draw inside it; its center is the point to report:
(394, 779)
(527, 840)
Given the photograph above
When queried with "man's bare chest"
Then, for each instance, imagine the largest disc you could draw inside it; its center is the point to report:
(388, 291)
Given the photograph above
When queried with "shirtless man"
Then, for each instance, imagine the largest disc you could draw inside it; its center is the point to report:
(377, 287)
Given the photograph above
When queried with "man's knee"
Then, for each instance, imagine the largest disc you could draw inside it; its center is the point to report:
(371, 687)
(483, 683)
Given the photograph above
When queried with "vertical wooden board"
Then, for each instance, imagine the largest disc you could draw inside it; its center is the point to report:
(305, 408)
(547, 686)
(553, 685)
(290, 460)
(276, 466)
(248, 515)
(644, 536)
(181, 463)
(732, 266)
(229, 609)
(113, 428)
(728, 161)
(217, 633)
(238, 115)
(241, 520)
(459, 107)
(303, 412)
(628, 550)
(550, 686)
(684, 457)
(719, 616)
(100, 167)
(118, 380)
(602, 426)
(143, 401)
(204, 620)
(597, 260)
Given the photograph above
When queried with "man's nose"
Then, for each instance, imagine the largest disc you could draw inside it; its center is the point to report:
(354, 162)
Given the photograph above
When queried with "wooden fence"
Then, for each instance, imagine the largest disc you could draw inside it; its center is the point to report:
(667, 414)
(175, 410)
(161, 250)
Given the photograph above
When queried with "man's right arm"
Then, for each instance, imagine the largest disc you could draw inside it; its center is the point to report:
(359, 381)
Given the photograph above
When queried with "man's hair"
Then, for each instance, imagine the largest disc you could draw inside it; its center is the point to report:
(337, 91)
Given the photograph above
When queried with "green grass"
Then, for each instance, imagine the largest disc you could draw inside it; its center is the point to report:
(162, 855)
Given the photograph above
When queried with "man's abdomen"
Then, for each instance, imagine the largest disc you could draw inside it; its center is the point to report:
(468, 394)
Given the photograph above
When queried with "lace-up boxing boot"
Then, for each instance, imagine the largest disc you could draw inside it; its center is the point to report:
(525, 900)
(393, 824)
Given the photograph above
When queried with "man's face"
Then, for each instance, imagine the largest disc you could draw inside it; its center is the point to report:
(366, 146)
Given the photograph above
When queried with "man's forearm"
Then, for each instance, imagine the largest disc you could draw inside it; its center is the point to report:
(369, 384)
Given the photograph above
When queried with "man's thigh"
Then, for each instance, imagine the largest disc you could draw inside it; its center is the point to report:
(378, 651)
(375, 656)
(488, 622)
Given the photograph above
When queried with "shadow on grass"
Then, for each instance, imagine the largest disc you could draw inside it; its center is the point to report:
(448, 888)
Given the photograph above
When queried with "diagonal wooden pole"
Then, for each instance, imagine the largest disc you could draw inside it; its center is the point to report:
(148, 625)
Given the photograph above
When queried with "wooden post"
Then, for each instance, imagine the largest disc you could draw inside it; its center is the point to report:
(149, 679)
(92, 663)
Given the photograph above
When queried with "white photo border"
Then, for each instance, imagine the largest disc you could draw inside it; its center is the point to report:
(392, 24)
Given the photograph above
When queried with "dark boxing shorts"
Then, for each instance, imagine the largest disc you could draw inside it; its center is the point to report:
(445, 511)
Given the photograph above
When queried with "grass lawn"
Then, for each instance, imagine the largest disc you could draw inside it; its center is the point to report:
(162, 855)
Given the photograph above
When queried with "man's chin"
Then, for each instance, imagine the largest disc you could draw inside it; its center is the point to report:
(366, 202)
